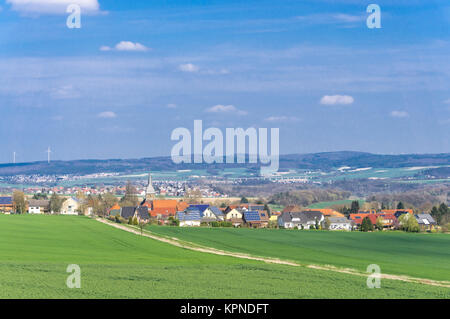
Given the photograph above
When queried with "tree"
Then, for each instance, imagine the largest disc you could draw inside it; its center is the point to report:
(40, 196)
(267, 209)
(83, 204)
(56, 203)
(130, 198)
(379, 224)
(327, 223)
(19, 202)
(141, 226)
(400, 205)
(409, 223)
(366, 225)
(244, 200)
(354, 209)
(109, 200)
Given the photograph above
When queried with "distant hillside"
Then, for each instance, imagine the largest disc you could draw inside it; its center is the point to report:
(323, 161)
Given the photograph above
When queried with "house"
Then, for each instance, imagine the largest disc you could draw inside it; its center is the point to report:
(389, 220)
(213, 213)
(142, 215)
(70, 206)
(340, 223)
(38, 206)
(162, 208)
(252, 218)
(234, 216)
(6, 204)
(127, 212)
(189, 218)
(114, 211)
(264, 217)
(300, 220)
(426, 221)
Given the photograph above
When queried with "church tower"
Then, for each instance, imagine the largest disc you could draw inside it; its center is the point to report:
(150, 191)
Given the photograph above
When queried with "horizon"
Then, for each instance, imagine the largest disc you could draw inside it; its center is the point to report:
(192, 155)
(134, 72)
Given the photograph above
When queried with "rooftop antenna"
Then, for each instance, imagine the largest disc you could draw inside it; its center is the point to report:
(48, 154)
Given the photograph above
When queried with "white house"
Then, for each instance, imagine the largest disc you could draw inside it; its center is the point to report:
(340, 223)
(70, 207)
(38, 206)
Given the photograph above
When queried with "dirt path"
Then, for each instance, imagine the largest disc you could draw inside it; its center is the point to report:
(192, 246)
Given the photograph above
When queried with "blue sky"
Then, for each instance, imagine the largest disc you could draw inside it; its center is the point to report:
(136, 70)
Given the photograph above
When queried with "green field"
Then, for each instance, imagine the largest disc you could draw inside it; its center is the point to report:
(36, 250)
(416, 255)
(347, 202)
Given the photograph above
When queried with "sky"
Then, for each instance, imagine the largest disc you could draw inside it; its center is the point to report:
(136, 70)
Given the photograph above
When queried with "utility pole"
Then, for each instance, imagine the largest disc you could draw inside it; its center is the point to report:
(48, 154)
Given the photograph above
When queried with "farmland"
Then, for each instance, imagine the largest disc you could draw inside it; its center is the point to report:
(35, 251)
(416, 255)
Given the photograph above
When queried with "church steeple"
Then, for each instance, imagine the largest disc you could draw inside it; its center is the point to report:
(150, 191)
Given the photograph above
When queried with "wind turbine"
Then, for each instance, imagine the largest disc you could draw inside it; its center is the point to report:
(14, 157)
(48, 151)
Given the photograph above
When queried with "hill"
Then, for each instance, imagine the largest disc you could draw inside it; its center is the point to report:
(316, 161)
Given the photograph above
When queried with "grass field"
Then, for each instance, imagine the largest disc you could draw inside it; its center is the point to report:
(35, 252)
(416, 255)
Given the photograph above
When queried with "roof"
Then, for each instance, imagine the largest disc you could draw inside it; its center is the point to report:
(115, 207)
(394, 211)
(263, 215)
(252, 216)
(292, 208)
(142, 212)
(301, 217)
(327, 212)
(339, 220)
(193, 215)
(127, 212)
(255, 207)
(38, 203)
(216, 211)
(182, 206)
(164, 203)
(163, 211)
(425, 219)
(6, 200)
(200, 207)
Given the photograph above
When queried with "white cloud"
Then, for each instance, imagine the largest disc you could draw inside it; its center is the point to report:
(225, 109)
(107, 115)
(281, 119)
(189, 67)
(399, 114)
(52, 6)
(337, 99)
(105, 48)
(126, 46)
(171, 106)
(130, 46)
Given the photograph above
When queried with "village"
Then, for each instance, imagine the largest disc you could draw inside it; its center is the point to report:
(196, 213)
